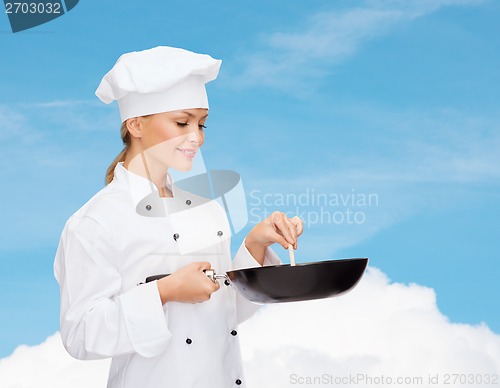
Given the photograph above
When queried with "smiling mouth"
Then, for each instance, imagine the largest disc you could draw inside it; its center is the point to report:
(188, 152)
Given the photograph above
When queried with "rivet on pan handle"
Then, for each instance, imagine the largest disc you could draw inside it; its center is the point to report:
(214, 277)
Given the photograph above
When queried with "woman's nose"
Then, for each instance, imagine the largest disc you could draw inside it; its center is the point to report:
(195, 136)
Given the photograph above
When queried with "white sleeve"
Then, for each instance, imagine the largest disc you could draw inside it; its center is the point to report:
(244, 259)
(96, 320)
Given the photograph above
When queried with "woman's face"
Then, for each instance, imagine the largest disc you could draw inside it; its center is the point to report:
(172, 139)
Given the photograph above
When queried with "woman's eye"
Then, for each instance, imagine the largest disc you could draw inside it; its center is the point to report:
(180, 124)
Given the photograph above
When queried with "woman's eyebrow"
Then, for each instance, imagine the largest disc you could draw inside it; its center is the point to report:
(192, 115)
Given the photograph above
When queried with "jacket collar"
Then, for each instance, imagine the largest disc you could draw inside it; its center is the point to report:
(139, 187)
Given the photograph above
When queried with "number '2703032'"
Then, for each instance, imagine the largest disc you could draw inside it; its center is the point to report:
(24, 15)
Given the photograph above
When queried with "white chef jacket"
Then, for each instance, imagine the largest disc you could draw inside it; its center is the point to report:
(106, 251)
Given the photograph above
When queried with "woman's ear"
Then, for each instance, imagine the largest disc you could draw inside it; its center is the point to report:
(134, 127)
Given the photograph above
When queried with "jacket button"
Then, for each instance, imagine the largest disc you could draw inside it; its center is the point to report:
(189, 341)
(188, 202)
(148, 207)
(219, 233)
(226, 282)
(234, 332)
(238, 382)
(176, 236)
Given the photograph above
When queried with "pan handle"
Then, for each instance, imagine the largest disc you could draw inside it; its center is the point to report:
(209, 272)
(155, 277)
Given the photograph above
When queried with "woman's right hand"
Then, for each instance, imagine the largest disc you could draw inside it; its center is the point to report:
(187, 285)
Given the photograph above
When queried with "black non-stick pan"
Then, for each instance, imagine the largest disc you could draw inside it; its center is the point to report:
(287, 283)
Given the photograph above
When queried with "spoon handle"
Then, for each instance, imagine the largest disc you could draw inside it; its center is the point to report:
(292, 255)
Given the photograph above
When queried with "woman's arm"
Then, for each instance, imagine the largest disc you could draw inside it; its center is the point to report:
(97, 320)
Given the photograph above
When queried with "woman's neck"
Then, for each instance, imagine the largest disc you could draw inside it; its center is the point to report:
(138, 163)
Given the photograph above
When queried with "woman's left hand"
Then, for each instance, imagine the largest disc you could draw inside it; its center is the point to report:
(277, 228)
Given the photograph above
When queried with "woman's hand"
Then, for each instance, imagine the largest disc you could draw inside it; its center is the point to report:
(277, 228)
(187, 285)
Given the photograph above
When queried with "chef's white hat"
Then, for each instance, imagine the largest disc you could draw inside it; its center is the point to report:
(161, 79)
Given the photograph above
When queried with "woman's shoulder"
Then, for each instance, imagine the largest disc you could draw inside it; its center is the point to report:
(108, 204)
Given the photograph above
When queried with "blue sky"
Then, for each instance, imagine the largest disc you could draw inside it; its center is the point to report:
(398, 99)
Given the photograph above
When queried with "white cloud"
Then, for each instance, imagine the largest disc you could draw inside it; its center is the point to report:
(379, 329)
(77, 116)
(64, 104)
(419, 7)
(413, 147)
(325, 39)
(16, 126)
(49, 366)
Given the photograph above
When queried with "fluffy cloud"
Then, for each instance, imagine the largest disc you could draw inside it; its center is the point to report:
(379, 333)
(379, 329)
(327, 38)
(49, 366)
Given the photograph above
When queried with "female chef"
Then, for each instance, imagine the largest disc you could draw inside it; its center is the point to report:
(181, 330)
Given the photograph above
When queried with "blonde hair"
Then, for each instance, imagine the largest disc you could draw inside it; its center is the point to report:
(125, 135)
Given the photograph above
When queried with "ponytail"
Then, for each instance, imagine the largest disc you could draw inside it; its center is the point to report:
(125, 135)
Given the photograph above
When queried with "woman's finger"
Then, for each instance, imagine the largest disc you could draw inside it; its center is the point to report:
(293, 230)
(278, 238)
(299, 224)
(280, 224)
(203, 265)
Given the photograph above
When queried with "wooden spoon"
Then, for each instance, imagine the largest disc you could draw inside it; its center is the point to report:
(292, 256)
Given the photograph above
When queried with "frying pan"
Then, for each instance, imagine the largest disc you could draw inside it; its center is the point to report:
(287, 283)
